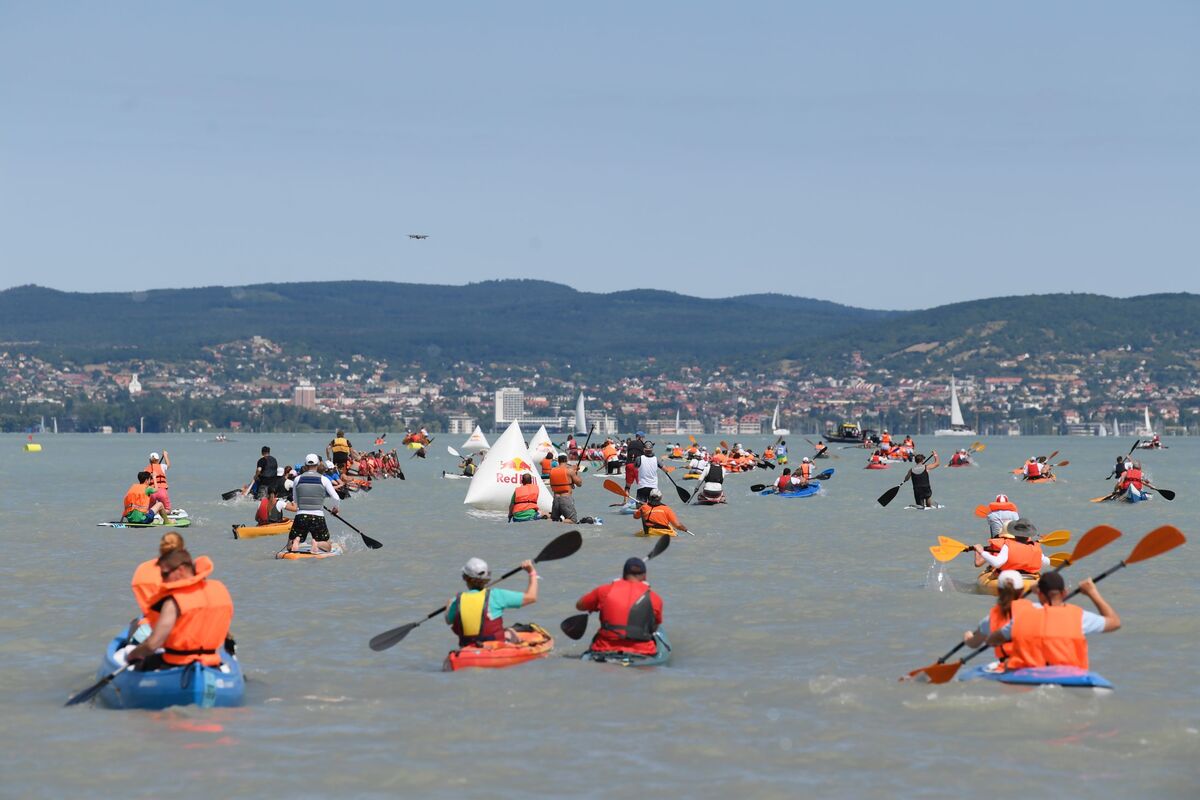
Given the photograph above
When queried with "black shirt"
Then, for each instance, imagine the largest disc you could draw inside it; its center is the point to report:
(268, 468)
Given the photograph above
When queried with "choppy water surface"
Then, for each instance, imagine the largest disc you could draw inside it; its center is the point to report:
(791, 621)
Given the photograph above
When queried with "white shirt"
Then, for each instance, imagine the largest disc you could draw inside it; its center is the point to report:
(996, 520)
(647, 472)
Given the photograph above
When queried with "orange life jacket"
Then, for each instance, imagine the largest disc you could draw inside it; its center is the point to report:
(147, 581)
(136, 499)
(1022, 556)
(158, 476)
(610, 453)
(1049, 636)
(768, 454)
(997, 619)
(547, 465)
(659, 517)
(1009, 506)
(677, 452)
(205, 611)
(885, 439)
(525, 497)
(805, 471)
(1033, 469)
(560, 480)
(1132, 477)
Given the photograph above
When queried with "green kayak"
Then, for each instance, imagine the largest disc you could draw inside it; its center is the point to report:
(660, 657)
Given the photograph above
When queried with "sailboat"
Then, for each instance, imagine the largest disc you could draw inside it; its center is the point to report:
(581, 427)
(1145, 432)
(678, 427)
(775, 429)
(957, 426)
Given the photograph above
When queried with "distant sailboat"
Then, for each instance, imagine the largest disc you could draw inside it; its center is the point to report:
(678, 428)
(957, 426)
(1145, 432)
(775, 429)
(581, 427)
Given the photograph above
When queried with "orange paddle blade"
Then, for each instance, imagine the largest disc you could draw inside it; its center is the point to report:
(1093, 540)
(615, 487)
(935, 673)
(1055, 538)
(1063, 464)
(1155, 543)
(981, 511)
(1060, 559)
(945, 552)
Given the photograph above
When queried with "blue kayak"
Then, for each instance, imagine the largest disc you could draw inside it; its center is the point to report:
(1040, 676)
(807, 491)
(1133, 495)
(193, 685)
(660, 657)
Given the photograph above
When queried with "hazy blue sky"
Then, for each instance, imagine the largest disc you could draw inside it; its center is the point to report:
(887, 154)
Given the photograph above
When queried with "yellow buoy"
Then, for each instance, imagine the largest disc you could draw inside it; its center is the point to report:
(33, 447)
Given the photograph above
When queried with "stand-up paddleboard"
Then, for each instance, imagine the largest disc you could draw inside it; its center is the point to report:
(933, 507)
(305, 551)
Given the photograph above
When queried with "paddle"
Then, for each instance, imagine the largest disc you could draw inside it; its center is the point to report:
(1167, 494)
(684, 496)
(564, 545)
(576, 626)
(824, 475)
(891, 493)
(232, 493)
(948, 549)
(583, 449)
(977, 447)
(94, 689)
(367, 540)
(615, 488)
(1090, 542)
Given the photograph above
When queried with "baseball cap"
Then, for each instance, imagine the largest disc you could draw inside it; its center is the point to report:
(1001, 498)
(640, 433)
(656, 493)
(328, 465)
(311, 459)
(1011, 578)
(476, 568)
(634, 566)
(155, 457)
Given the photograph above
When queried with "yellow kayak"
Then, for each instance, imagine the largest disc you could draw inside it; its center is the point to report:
(255, 531)
(657, 532)
(986, 582)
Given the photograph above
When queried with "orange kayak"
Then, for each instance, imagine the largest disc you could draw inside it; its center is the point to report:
(536, 642)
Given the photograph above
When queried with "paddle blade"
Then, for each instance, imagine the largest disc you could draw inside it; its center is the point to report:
(1063, 463)
(93, 690)
(1155, 543)
(452, 451)
(663, 543)
(390, 638)
(615, 487)
(371, 544)
(684, 496)
(981, 511)
(1055, 538)
(1167, 494)
(575, 626)
(1093, 540)
(825, 475)
(945, 552)
(757, 487)
(935, 673)
(1101, 499)
(562, 546)
(1059, 559)
(888, 496)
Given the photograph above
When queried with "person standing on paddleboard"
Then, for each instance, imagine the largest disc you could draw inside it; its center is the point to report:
(919, 475)
(647, 472)
(265, 474)
(309, 491)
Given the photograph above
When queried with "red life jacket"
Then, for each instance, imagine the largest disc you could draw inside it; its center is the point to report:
(1033, 469)
(784, 484)
(261, 515)
(525, 497)
(627, 615)
(474, 630)
(1132, 477)
(1047, 637)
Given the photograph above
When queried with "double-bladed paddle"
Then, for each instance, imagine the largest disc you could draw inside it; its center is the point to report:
(561, 546)
(94, 689)
(824, 475)
(576, 626)
(948, 549)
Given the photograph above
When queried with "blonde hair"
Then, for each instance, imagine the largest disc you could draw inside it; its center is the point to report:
(170, 541)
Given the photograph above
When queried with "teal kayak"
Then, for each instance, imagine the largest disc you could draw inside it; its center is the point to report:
(661, 656)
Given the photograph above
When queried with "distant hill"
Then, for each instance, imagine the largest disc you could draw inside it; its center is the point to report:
(512, 321)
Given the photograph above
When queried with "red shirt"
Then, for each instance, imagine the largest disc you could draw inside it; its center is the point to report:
(611, 640)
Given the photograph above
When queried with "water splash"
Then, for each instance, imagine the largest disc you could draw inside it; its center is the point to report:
(937, 580)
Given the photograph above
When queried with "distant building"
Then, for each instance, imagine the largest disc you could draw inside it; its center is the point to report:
(510, 405)
(305, 396)
(461, 425)
(135, 386)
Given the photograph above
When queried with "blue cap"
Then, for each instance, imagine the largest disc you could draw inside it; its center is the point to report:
(641, 433)
(634, 566)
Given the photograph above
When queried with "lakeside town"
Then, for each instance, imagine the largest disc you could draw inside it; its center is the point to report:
(249, 384)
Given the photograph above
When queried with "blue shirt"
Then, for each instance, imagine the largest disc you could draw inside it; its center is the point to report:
(498, 600)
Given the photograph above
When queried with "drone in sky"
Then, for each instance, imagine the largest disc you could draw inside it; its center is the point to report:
(418, 236)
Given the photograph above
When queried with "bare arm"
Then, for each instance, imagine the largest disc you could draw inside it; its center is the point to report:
(531, 591)
(1112, 622)
(158, 636)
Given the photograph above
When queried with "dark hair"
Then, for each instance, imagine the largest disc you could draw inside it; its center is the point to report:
(143, 476)
(1051, 582)
(266, 449)
(176, 558)
(526, 478)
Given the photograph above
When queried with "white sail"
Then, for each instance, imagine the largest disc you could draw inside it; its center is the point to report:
(678, 427)
(1145, 431)
(956, 417)
(500, 473)
(581, 427)
(476, 442)
(775, 429)
(540, 445)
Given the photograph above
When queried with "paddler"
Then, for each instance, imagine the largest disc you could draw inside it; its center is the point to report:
(712, 483)
(193, 616)
(630, 612)
(919, 475)
(1053, 634)
(960, 459)
(822, 450)
(658, 519)
(1010, 585)
(612, 461)
(1001, 511)
(547, 465)
(523, 505)
(805, 473)
(885, 441)
(158, 471)
(339, 450)
(266, 474)
(1032, 469)
(147, 578)
(271, 508)
(647, 472)
(138, 506)
(1014, 548)
(781, 453)
(787, 482)
(563, 480)
(309, 491)
(477, 615)
(467, 466)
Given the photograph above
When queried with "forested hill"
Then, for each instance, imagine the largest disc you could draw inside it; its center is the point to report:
(517, 321)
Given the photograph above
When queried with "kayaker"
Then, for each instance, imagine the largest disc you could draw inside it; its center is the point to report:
(309, 491)
(468, 466)
(1014, 548)
(630, 611)
(1053, 634)
(1131, 477)
(477, 615)
(885, 440)
(1123, 463)
(266, 474)
(138, 507)
(271, 508)
(1009, 587)
(658, 519)
(786, 482)
(919, 475)
(523, 505)
(147, 578)
(612, 461)
(781, 453)
(805, 472)
(158, 472)
(194, 613)
(1032, 469)
(563, 480)
(960, 459)
(822, 450)
(339, 450)
(1000, 512)
(647, 472)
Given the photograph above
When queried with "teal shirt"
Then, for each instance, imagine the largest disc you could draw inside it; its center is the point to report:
(498, 600)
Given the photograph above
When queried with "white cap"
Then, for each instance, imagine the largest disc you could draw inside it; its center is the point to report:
(288, 484)
(476, 568)
(311, 459)
(279, 472)
(1012, 578)
(656, 493)
(155, 457)
(806, 460)
(328, 465)
(1001, 498)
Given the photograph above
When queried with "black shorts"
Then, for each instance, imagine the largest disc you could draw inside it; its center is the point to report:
(341, 459)
(643, 494)
(920, 494)
(304, 524)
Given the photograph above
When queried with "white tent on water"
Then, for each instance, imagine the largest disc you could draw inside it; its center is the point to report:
(475, 443)
(500, 474)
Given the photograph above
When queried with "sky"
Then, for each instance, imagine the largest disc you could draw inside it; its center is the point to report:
(881, 154)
